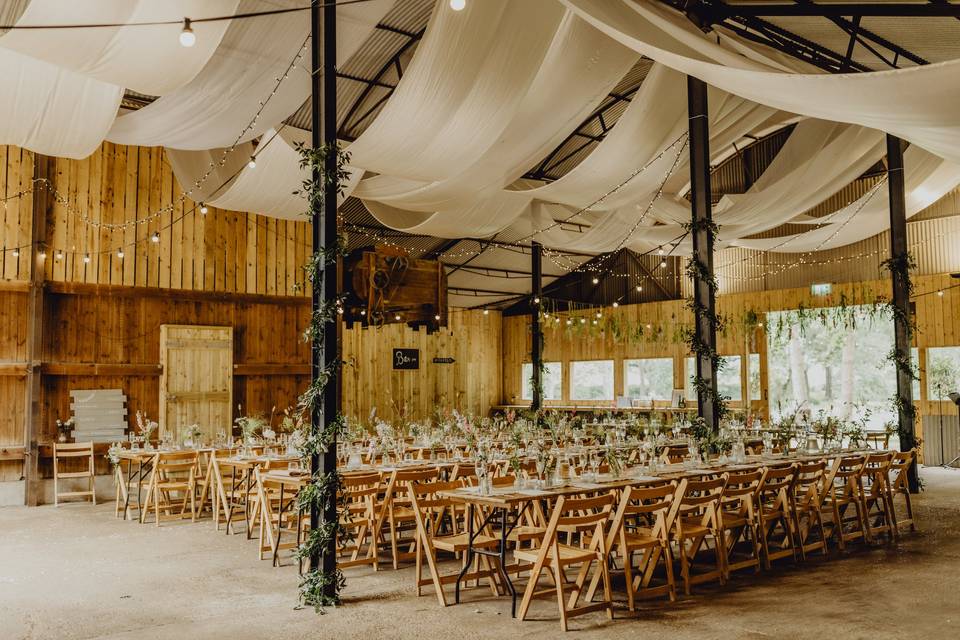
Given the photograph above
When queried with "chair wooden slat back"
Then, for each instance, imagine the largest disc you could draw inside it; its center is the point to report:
(73, 451)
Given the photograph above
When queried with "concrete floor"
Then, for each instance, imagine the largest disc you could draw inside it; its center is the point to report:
(76, 572)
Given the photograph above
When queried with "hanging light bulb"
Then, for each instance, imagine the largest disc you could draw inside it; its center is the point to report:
(396, 317)
(59, 254)
(546, 316)
(203, 208)
(252, 163)
(458, 5)
(569, 322)
(16, 253)
(594, 322)
(940, 293)
(583, 321)
(187, 37)
(659, 251)
(120, 253)
(436, 317)
(42, 253)
(639, 287)
(86, 258)
(663, 263)
(599, 314)
(536, 301)
(486, 312)
(615, 304)
(596, 280)
(363, 312)
(155, 238)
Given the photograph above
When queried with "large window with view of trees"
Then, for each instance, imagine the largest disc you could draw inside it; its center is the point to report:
(729, 382)
(552, 381)
(831, 360)
(648, 378)
(591, 380)
(943, 372)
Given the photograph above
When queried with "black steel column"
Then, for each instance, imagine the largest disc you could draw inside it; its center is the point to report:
(325, 355)
(702, 236)
(536, 333)
(901, 297)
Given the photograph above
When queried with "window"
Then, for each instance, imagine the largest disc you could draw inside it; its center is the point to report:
(834, 360)
(591, 380)
(915, 360)
(728, 379)
(552, 381)
(753, 376)
(943, 372)
(649, 378)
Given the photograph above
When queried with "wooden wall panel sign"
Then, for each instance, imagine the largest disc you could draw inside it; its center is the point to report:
(443, 360)
(406, 359)
(196, 386)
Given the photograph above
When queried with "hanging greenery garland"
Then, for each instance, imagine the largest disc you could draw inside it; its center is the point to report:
(899, 268)
(697, 270)
(315, 584)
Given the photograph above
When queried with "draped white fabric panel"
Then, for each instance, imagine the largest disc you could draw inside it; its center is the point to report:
(51, 110)
(580, 69)
(927, 179)
(462, 89)
(212, 109)
(147, 59)
(190, 167)
(269, 187)
(917, 103)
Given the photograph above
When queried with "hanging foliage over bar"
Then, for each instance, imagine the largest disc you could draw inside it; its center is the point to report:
(323, 487)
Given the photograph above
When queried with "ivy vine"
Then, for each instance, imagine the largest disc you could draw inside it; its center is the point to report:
(315, 584)
(900, 267)
(697, 270)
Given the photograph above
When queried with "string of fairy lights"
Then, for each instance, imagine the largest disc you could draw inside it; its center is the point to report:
(154, 237)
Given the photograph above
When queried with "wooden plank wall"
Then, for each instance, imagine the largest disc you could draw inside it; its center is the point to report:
(222, 251)
(471, 383)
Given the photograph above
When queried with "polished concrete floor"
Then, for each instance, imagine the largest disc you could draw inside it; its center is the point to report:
(76, 572)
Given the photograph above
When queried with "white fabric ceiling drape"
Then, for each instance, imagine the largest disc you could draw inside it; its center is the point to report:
(213, 109)
(917, 103)
(461, 90)
(146, 59)
(927, 179)
(269, 187)
(580, 69)
(51, 110)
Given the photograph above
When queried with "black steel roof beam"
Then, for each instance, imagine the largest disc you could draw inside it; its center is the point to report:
(763, 32)
(865, 37)
(412, 39)
(543, 169)
(837, 9)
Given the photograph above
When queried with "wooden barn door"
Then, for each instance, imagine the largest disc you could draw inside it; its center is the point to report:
(196, 385)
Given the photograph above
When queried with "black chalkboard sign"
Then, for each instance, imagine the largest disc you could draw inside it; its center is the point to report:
(406, 359)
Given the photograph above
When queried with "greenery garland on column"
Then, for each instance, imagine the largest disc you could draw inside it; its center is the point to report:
(697, 270)
(900, 267)
(322, 487)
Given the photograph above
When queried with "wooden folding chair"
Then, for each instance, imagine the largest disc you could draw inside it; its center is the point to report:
(360, 494)
(810, 487)
(277, 514)
(845, 491)
(437, 530)
(899, 486)
(774, 520)
(173, 473)
(396, 511)
(738, 521)
(642, 526)
(73, 451)
(877, 496)
(591, 518)
(696, 524)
